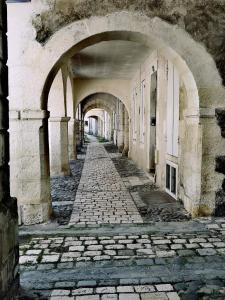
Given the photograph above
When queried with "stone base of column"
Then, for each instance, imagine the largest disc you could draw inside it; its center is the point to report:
(35, 213)
(120, 141)
(72, 139)
(59, 155)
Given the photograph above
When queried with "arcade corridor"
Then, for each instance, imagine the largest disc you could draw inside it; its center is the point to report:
(112, 150)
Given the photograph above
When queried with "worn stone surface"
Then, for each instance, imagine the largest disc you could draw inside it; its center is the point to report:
(144, 192)
(175, 273)
(64, 188)
(102, 197)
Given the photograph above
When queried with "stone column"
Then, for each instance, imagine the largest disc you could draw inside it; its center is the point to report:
(82, 132)
(120, 129)
(72, 139)
(78, 134)
(126, 133)
(59, 154)
(30, 177)
(99, 127)
(111, 126)
(9, 250)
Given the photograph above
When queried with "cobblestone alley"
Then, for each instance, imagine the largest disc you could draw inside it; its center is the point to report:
(107, 251)
(102, 196)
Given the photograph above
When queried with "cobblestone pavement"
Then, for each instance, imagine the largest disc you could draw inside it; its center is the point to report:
(163, 261)
(102, 196)
(64, 188)
(144, 192)
(106, 252)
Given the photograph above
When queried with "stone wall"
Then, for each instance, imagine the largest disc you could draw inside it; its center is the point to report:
(8, 210)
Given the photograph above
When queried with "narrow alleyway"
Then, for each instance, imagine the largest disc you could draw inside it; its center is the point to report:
(102, 196)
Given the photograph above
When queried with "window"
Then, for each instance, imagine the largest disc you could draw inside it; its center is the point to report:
(142, 112)
(171, 179)
(172, 110)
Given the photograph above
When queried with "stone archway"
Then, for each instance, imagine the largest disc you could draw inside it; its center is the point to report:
(119, 115)
(204, 88)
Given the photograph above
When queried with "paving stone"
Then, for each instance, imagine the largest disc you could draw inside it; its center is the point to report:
(206, 251)
(198, 240)
(144, 288)
(129, 296)
(154, 296)
(50, 258)
(164, 287)
(33, 252)
(192, 246)
(165, 253)
(206, 245)
(185, 252)
(176, 246)
(161, 242)
(173, 296)
(61, 298)
(116, 247)
(76, 248)
(87, 283)
(144, 252)
(92, 253)
(95, 247)
(179, 241)
(28, 259)
(106, 290)
(60, 292)
(125, 289)
(110, 252)
(89, 297)
(64, 284)
(109, 297)
(82, 291)
(101, 257)
(126, 252)
(219, 244)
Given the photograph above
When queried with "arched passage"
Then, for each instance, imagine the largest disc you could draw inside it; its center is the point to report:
(118, 117)
(203, 90)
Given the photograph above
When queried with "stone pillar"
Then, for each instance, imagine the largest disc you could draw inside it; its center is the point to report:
(99, 127)
(9, 250)
(82, 132)
(126, 133)
(111, 126)
(77, 131)
(72, 139)
(30, 177)
(59, 154)
(120, 129)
